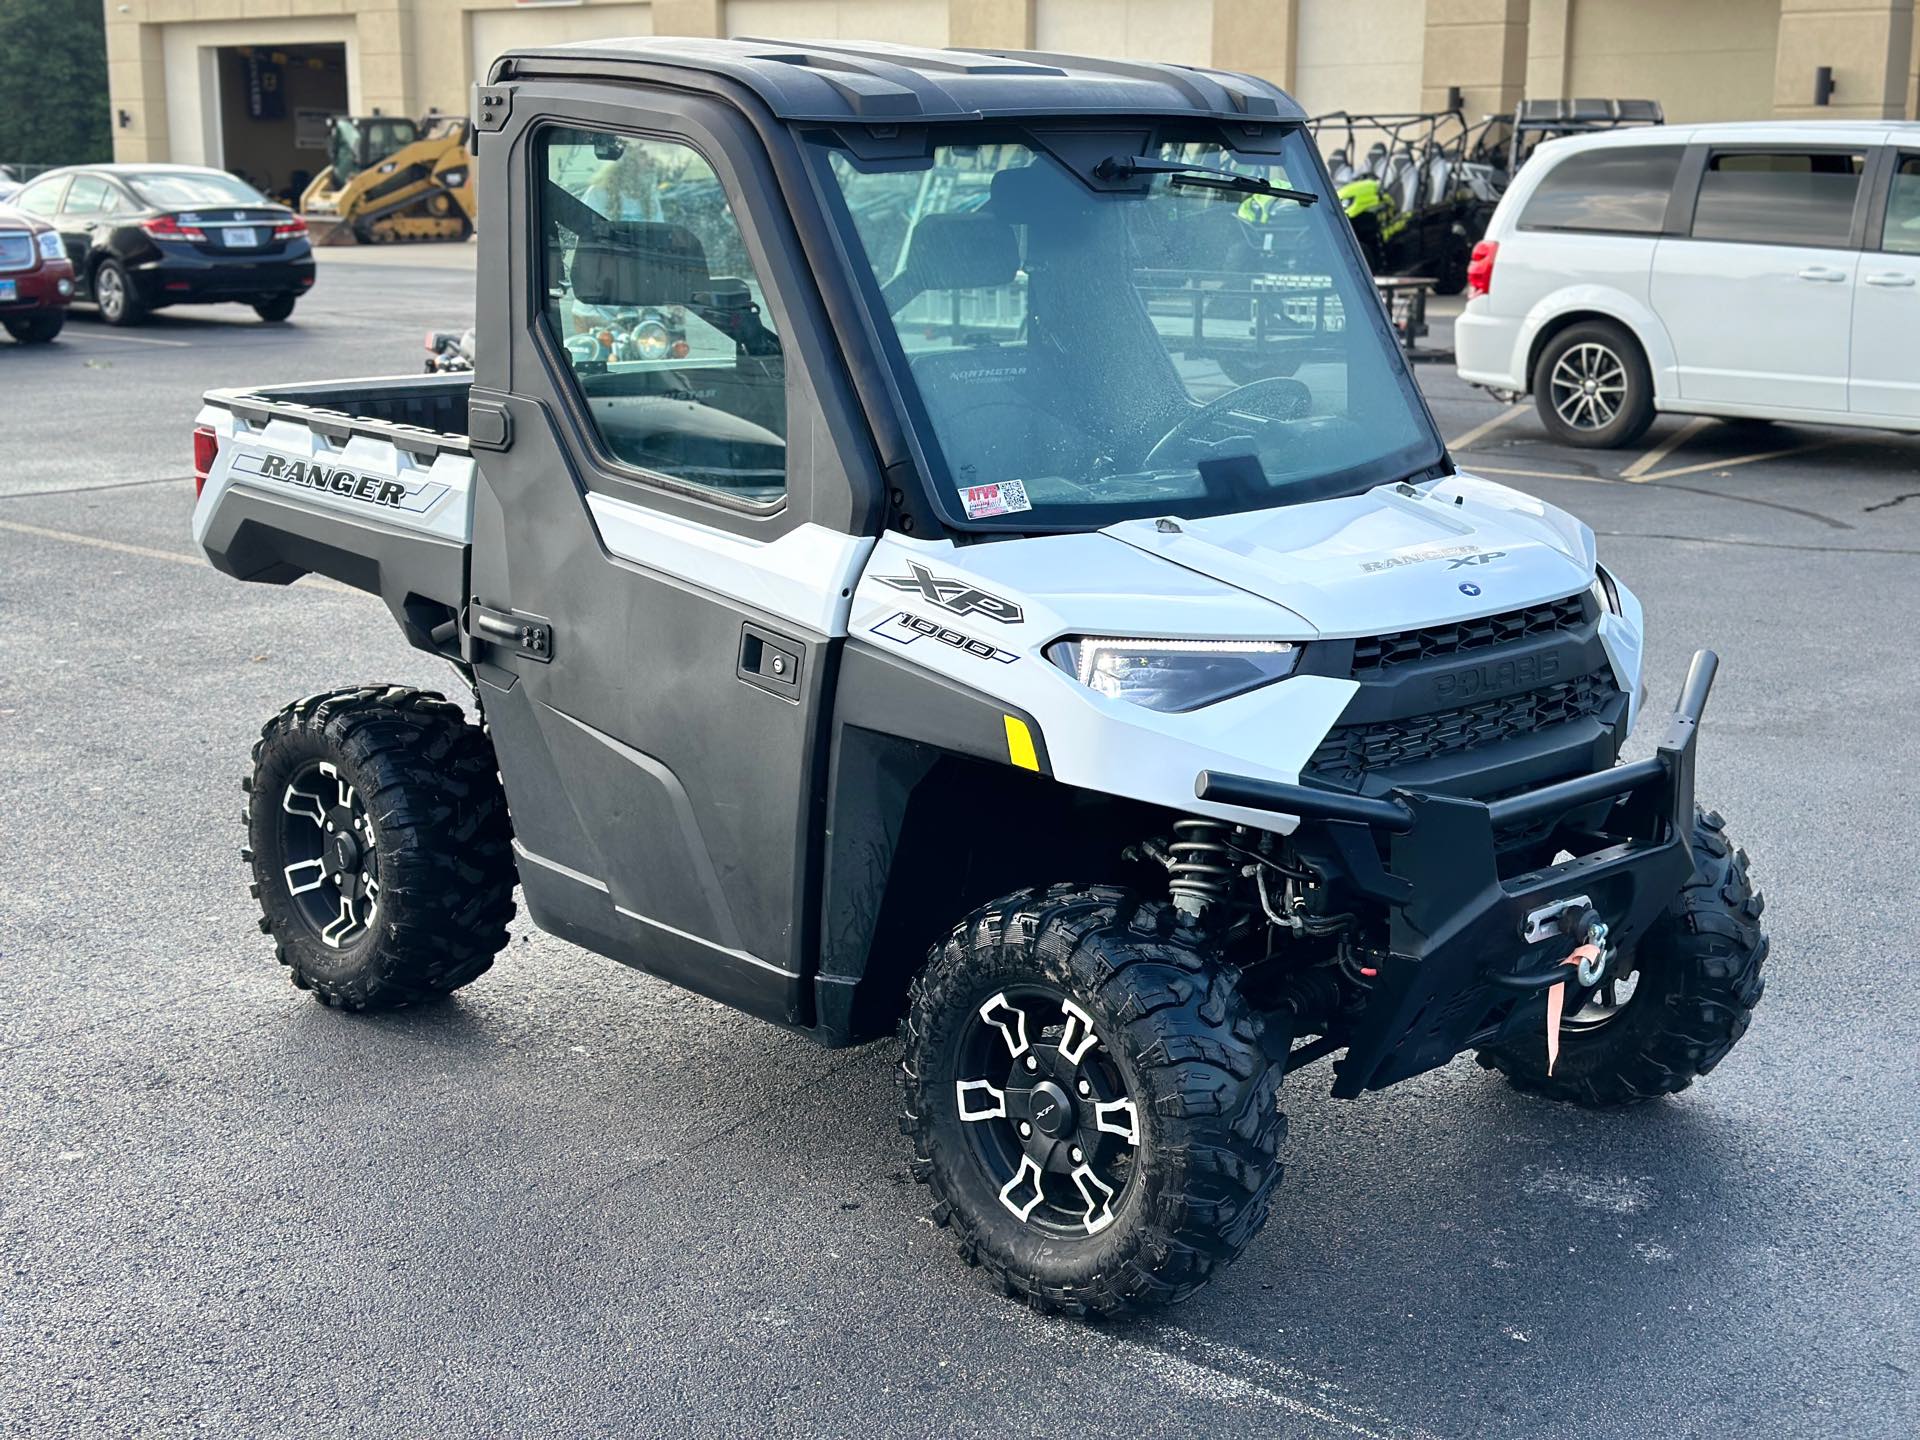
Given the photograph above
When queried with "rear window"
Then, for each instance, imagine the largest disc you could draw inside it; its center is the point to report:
(166, 189)
(1901, 236)
(1781, 197)
(1608, 189)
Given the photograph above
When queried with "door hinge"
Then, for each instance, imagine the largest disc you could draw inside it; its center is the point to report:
(526, 635)
(491, 106)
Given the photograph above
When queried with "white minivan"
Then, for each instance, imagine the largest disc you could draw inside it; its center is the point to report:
(1769, 271)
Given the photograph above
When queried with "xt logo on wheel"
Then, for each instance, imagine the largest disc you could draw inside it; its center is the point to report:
(955, 595)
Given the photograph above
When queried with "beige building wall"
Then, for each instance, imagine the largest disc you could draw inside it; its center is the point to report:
(1703, 59)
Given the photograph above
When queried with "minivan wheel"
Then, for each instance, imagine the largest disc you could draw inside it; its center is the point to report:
(1592, 386)
(113, 293)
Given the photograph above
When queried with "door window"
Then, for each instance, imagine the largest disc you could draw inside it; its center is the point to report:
(1780, 197)
(653, 299)
(1902, 233)
(1609, 189)
(42, 197)
(87, 197)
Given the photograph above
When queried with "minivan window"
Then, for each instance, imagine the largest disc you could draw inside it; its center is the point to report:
(1608, 189)
(1782, 197)
(1902, 233)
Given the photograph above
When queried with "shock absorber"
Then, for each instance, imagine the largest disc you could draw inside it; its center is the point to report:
(1200, 866)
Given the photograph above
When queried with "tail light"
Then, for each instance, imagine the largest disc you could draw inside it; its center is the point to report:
(290, 228)
(206, 449)
(1480, 267)
(165, 227)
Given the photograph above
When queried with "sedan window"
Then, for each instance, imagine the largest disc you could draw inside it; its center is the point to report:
(171, 189)
(42, 197)
(87, 197)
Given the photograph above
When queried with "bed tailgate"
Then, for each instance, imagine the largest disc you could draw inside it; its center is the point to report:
(381, 507)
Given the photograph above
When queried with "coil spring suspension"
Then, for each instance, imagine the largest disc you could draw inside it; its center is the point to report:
(1200, 865)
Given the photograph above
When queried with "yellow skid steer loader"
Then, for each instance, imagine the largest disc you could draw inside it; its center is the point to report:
(393, 179)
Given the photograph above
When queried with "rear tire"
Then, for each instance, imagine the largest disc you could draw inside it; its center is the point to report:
(1173, 1100)
(113, 293)
(380, 845)
(1698, 979)
(37, 329)
(1592, 386)
(275, 310)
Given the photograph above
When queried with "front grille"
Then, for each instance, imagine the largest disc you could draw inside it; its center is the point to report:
(16, 251)
(1375, 653)
(1350, 752)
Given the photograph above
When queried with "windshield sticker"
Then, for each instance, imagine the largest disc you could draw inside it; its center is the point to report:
(1008, 497)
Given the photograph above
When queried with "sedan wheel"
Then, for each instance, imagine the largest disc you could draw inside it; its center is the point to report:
(113, 293)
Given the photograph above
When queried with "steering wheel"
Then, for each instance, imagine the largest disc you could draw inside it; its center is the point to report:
(1185, 430)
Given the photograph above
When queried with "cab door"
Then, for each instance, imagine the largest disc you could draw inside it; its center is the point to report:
(1757, 297)
(1886, 311)
(668, 527)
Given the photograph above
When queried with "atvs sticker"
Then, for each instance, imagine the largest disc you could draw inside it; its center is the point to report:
(955, 595)
(415, 497)
(1009, 497)
(905, 629)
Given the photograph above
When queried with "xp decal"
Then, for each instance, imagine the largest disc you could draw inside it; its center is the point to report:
(904, 629)
(954, 595)
(415, 497)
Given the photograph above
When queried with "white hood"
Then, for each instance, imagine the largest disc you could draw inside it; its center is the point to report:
(1392, 559)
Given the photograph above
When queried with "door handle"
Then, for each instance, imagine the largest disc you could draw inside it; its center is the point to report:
(1822, 272)
(1890, 279)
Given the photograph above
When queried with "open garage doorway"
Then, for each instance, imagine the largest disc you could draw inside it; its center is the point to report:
(275, 102)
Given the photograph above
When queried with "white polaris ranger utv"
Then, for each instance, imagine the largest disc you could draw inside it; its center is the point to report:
(1028, 605)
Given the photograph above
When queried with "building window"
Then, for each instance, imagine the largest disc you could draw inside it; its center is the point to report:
(652, 297)
(1609, 189)
(1785, 197)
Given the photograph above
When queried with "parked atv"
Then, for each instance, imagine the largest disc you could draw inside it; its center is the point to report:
(945, 644)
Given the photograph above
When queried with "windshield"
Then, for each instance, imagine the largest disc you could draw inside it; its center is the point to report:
(165, 189)
(1076, 353)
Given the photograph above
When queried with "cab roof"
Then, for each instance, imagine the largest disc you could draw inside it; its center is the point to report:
(874, 83)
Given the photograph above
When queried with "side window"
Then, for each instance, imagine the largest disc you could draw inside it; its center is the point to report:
(1902, 233)
(1610, 189)
(652, 297)
(42, 197)
(87, 197)
(1778, 197)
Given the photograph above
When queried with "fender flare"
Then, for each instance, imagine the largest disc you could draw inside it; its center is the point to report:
(1599, 302)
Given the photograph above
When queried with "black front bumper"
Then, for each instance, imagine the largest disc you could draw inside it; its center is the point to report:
(1461, 971)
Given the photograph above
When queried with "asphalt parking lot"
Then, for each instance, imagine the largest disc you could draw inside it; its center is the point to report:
(573, 1201)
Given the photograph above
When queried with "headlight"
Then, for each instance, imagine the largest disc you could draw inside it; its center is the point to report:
(652, 339)
(1605, 592)
(51, 246)
(1173, 676)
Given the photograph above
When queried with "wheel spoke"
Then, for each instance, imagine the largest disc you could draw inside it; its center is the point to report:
(1078, 1037)
(297, 887)
(343, 924)
(307, 808)
(1012, 1026)
(1028, 1174)
(993, 1107)
(1099, 1197)
(345, 800)
(1118, 1117)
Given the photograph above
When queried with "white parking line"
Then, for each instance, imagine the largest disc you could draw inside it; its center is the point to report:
(1487, 427)
(147, 552)
(126, 339)
(1638, 469)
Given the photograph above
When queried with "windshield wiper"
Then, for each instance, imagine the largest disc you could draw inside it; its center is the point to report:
(1205, 177)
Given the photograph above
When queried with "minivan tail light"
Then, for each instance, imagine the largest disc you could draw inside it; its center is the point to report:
(1480, 267)
(206, 449)
(165, 227)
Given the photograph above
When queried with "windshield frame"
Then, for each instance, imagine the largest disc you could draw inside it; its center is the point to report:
(1067, 142)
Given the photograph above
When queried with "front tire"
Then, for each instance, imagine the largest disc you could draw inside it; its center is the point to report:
(380, 846)
(1592, 386)
(1695, 980)
(113, 293)
(1127, 1052)
(37, 329)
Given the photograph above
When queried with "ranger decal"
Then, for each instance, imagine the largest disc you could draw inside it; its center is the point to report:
(415, 497)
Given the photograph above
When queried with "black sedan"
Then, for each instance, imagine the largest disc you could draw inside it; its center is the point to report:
(146, 236)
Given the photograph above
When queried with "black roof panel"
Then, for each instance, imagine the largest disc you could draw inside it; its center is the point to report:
(875, 83)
